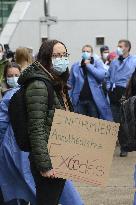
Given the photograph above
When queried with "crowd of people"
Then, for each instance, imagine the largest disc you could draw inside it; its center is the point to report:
(94, 86)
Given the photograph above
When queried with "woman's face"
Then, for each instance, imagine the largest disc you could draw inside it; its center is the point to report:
(60, 60)
(59, 51)
(13, 72)
(12, 77)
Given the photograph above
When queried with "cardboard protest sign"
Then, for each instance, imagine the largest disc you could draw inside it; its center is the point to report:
(81, 148)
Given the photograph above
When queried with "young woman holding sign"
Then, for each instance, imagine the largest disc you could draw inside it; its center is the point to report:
(52, 66)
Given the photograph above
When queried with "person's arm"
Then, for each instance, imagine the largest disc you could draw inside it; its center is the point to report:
(71, 82)
(4, 120)
(109, 75)
(3, 128)
(97, 70)
(38, 127)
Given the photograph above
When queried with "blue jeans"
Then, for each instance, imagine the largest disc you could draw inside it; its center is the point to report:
(87, 108)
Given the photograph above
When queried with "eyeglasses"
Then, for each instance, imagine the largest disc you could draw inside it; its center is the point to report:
(58, 55)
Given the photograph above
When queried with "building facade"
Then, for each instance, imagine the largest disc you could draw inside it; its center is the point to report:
(75, 22)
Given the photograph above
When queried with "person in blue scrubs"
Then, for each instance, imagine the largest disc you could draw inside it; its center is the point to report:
(120, 72)
(85, 84)
(15, 180)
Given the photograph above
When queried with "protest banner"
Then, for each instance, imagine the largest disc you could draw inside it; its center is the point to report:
(81, 147)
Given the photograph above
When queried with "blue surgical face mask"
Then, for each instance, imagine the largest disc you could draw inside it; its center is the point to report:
(119, 51)
(105, 56)
(86, 55)
(60, 64)
(12, 82)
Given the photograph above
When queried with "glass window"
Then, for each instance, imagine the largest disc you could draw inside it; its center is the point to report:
(6, 7)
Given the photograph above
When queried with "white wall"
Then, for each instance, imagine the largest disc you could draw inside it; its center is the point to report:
(79, 22)
(28, 30)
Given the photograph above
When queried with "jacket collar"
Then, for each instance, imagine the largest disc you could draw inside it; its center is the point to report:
(37, 63)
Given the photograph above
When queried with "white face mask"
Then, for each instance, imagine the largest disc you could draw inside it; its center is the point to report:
(105, 55)
(119, 51)
(12, 82)
(1, 56)
(60, 64)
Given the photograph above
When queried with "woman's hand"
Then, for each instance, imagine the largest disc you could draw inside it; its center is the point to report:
(49, 174)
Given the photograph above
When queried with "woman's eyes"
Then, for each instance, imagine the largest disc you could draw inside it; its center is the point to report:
(9, 76)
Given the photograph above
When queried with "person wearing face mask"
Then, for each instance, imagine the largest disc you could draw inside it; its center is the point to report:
(23, 58)
(52, 65)
(3, 62)
(120, 72)
(10, 77)
(13, 181)
(85, 83)
(16, 181)
(104, 51)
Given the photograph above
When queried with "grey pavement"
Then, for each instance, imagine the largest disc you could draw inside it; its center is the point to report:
(120, 188)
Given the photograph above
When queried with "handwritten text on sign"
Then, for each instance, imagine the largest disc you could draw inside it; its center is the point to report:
(81, 148)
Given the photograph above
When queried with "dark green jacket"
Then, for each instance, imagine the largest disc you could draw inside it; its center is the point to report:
(39, 122)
